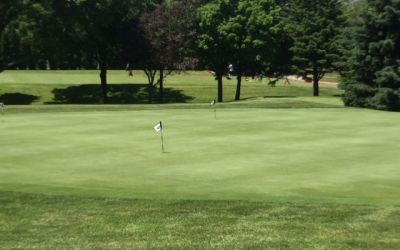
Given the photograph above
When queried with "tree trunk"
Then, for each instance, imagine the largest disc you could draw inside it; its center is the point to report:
(220, 89)
(161, 93)
(315, 83)
(103, 79)
(151, 88)
(150, 73)
(239, 84)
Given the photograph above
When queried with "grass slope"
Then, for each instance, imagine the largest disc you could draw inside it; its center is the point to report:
(82, 87)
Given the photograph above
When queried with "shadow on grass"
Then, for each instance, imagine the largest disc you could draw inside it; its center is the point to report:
(117, 94)
(17, 99)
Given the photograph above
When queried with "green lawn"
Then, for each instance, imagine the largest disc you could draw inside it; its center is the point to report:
(82, 87)
(281, 169)
(253, 178)
(325, 155)
(65, 222)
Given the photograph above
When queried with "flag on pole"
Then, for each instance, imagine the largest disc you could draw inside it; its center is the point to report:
(2, 106)
(158, 127)
(213, 103)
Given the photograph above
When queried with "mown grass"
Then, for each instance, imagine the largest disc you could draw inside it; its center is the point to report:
(299, 155)
(251, 179)
(280, 170)
(67, 222)
(82, 87)
(270, 103)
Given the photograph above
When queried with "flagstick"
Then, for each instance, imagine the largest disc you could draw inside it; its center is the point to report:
(2, 115)
(162, 142)
(215, 112)
(159, 129)
(214, 104)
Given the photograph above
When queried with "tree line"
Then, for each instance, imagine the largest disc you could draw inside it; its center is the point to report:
(359, 39)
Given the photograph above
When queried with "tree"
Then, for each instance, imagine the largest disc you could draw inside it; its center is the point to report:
(63, 34)
(254, 34)
(347, 38)
(4, 19)
(169, 32)
(374, 78)
(45, 34)
(102, 22)
(378, 54)
(20, 41)
(214, 48)
(75, 33)
(314, 26)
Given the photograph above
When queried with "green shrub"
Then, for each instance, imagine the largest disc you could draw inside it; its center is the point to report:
(385, 99)
(356, 94)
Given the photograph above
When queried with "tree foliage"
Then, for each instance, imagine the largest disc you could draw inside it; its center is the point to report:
(255, 34)
(375, 59)
(307, 37)
(106, 24)
(243, 32)
(21, 43)
(214, 47)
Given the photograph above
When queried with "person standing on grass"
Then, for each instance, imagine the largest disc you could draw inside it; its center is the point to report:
(231, 71)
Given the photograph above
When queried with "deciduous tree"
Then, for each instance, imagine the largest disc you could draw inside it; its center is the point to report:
(254, 33)
(169, 32)
(20, 41)
(215, 50)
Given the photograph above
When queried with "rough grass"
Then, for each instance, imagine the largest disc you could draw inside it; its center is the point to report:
(54, 222)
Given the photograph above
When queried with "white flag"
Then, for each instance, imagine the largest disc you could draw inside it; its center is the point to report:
(158, 127)
(213, 102)
(1, 105)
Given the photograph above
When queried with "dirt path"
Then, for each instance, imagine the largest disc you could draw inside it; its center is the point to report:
(321, 83)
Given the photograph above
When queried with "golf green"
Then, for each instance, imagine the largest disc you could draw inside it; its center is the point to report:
(289, 155)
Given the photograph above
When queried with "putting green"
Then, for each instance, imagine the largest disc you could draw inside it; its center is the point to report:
(319, 155)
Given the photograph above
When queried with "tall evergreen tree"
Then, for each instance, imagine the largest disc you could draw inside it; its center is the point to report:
(314, 26)
(378, 56)
(374, 79)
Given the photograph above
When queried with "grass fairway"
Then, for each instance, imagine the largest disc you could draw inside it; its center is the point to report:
(253, 178)
(82, 87)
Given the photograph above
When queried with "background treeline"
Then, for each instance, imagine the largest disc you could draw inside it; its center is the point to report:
(309, 38)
